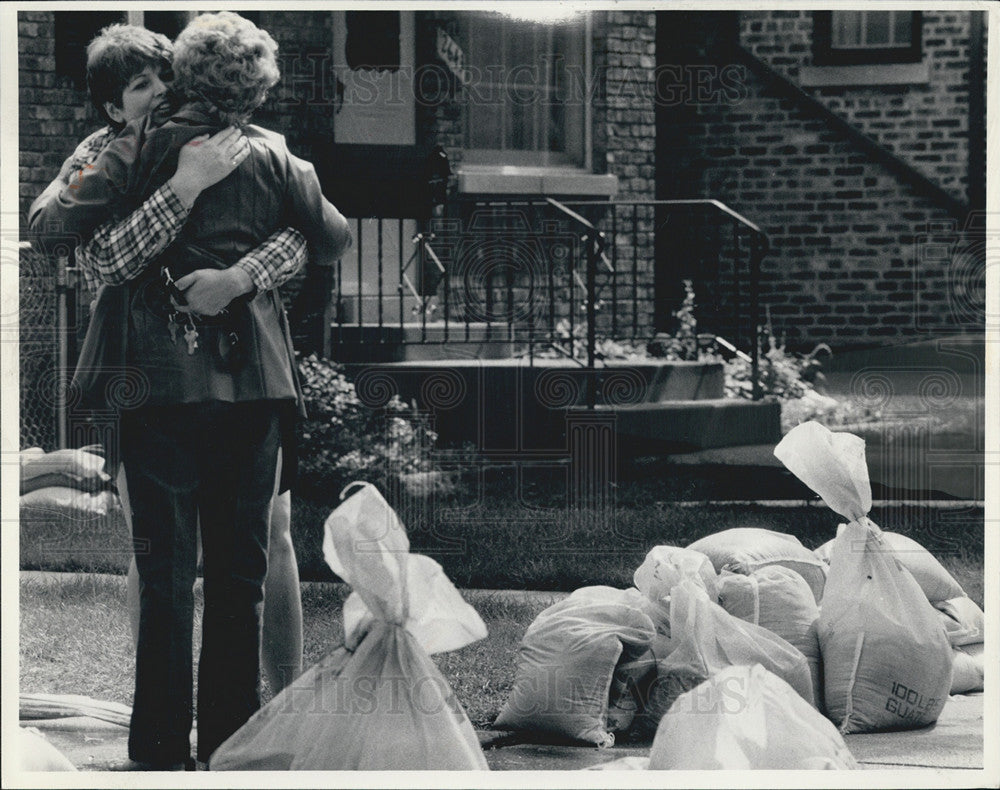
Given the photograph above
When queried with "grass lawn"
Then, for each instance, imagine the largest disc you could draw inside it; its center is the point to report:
(513, 532)
(75, 640)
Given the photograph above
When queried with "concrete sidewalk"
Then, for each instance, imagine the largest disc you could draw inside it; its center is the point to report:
(954, 742)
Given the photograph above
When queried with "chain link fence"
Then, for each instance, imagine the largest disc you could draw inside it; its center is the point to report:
(40, 342)
(50, 335)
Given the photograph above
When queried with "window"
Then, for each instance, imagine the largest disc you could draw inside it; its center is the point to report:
(169, 23)
(373, 65)
(372, 40)
(859, 37)
(526, 90)
(73, 31)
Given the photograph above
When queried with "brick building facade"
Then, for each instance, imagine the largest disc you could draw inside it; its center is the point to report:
(845, 166)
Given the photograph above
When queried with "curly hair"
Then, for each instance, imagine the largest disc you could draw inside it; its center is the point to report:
(227, 61)
(116, 55)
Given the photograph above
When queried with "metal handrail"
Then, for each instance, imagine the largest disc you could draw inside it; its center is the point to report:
(595, 250)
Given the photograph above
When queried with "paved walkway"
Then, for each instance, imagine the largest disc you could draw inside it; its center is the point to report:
(955, 742)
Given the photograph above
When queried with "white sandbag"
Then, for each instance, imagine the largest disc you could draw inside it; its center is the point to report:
(71, 503)
(968, 676)
(707, 639)
(963, 620)
(383, 705)
(886, 658)
(745, 717)
(566, 665)
(665, 566)
(934, 580)
(745, 549)
(779, 600)
(78, 467)
(35, 752)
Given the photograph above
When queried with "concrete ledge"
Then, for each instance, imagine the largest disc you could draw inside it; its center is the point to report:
(701, 424)
(515, 180)
(868, 74)
(523, 405)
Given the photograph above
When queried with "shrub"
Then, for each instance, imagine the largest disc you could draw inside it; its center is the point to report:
(341, 439)
(786, 375)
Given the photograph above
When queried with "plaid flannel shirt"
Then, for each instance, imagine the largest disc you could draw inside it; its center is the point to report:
(86, 152)
(120, 251)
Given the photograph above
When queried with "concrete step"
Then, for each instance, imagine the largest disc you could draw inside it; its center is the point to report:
(418, 341)
(514, 405)
(698, 424)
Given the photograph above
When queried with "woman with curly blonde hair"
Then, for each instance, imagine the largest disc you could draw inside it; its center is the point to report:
(227, 62)
(221, 391)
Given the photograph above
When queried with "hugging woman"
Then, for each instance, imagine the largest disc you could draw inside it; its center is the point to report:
(220, 386)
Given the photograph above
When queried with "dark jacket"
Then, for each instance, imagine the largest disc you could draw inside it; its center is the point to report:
(246, 356)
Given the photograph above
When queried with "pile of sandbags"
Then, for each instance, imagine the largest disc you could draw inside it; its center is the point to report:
(71, 484)
(864, 630)
(607, 661)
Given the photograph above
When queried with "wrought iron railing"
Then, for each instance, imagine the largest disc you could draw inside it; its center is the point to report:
(544, 277)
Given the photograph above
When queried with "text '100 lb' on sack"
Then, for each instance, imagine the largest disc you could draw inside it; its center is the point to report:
(887, 662)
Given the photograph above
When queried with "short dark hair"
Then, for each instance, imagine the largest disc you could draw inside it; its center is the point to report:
(116, 55)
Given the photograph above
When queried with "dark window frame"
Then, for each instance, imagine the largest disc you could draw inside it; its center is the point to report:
(72, 32)
(824, 54)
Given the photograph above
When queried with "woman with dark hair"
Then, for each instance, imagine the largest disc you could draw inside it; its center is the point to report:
(219, 387)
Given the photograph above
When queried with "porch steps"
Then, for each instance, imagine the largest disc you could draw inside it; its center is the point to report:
(697, 425)
(419, 341)
(516, 406)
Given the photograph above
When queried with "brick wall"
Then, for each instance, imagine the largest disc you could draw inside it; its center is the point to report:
(439, 117)
(624, 144)
(301, 105)
(926, 125)
(53, 115)
(843, 230)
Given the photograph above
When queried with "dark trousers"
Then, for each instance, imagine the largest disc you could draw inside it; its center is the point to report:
(216, 459)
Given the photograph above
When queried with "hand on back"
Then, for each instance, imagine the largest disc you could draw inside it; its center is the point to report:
(206, 160)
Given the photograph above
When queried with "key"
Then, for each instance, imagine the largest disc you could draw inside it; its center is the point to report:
(172, 326)
(191, 336)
